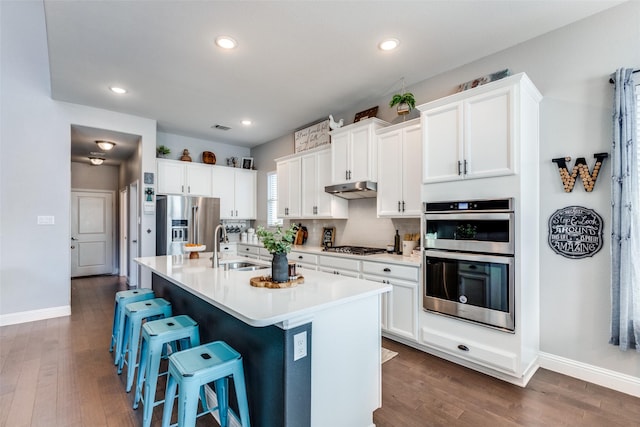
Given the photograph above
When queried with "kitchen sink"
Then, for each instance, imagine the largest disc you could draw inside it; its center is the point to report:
(243, 266)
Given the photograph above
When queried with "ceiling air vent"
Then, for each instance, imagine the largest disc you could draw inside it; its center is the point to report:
(220, 127)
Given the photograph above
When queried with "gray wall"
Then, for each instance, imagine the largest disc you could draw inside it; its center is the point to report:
(222, 151)
(88, 177)
(35, 170)
(570, 67)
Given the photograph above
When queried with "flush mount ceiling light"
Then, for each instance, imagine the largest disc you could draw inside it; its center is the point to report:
(246, 122)
(226, 42)
(118, 90)
(106, 145)
(96, 161)
(389, 44)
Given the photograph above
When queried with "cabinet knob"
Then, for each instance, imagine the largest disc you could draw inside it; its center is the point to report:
(465, 167)
(399, 206)
(300, 257)
(463, 347)
(387, 270)
(459, 167)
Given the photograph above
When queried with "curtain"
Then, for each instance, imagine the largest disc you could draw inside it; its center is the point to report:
(625, 217)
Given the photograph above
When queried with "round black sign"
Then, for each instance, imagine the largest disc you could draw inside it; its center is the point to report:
(575, 232)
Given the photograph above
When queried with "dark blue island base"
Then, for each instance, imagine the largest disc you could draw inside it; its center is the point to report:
(279, 388)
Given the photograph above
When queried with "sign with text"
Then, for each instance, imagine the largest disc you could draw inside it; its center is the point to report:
(575, 232)
(310, 137)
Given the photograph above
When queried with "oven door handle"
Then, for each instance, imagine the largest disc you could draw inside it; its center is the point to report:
(469, 216)
(468, 256)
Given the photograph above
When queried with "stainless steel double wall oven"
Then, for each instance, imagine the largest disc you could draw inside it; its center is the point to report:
(469, 261)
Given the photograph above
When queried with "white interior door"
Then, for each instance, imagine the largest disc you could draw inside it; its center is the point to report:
(124, 232)
(134, 251)
(91, 233)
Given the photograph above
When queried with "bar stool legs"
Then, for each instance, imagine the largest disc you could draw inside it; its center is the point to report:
(135, 313)
(191, 369)
(156, 335)
(117, 332)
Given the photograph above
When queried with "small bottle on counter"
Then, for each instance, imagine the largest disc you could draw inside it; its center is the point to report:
(396, 243)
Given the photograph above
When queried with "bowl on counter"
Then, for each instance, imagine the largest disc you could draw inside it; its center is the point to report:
(193, 250)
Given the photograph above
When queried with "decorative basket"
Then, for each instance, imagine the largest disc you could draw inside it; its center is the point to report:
(208, 157)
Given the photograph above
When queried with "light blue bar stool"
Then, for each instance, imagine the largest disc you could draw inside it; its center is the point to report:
(134, 314)
(191, 370)
(156, 335)
(117, 332)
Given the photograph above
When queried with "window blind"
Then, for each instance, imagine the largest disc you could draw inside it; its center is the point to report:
(272, 200)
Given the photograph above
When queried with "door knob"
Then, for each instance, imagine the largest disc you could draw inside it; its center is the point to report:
(73, 238)
(73, 247)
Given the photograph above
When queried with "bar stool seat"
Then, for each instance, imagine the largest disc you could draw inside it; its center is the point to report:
(117, 331)
(156, 336)
(191, 370)
(134, 314)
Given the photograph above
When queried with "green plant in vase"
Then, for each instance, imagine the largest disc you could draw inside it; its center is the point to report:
(162, 151)
(405, 102)
(278, 243)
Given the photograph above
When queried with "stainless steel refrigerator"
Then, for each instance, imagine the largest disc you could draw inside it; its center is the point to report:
(181, 220)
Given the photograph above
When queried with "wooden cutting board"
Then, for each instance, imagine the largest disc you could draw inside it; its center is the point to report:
(265, 282)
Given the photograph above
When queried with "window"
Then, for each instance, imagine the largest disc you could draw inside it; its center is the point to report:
(272, 200)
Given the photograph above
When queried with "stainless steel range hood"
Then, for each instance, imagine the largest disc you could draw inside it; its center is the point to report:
(354, 190)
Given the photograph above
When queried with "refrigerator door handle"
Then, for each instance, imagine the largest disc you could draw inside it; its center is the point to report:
(194, 220)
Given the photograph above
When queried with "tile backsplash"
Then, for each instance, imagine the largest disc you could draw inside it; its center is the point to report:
(362, 228)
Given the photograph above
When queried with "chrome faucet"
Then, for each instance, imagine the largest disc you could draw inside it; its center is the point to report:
(215, 260)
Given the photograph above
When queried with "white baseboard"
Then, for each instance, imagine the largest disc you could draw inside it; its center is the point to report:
(33, 315)
(603, 377)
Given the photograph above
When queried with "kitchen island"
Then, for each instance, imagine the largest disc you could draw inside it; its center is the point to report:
(311, 353)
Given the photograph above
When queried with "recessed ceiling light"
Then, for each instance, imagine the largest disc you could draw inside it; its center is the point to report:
(226, 42)
(106, 145)
(246, 122)
(389, 44)
(96, 161)
(118, 90)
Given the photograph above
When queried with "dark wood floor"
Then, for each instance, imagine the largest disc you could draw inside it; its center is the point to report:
(58, 372)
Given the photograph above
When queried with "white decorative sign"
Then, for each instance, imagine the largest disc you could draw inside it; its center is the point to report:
(311, 137)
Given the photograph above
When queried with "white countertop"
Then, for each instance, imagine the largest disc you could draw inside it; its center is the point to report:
(231, 292)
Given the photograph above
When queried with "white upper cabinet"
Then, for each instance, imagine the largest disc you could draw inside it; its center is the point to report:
(184, 178)
(354, 153)
(474, 134)
(289, 189)
(316, 174)
(399, 170)
(236, 189)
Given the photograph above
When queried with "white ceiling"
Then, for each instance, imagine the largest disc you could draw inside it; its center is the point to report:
(297, 61)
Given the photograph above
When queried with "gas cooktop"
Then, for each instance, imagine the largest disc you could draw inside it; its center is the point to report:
(354, 250)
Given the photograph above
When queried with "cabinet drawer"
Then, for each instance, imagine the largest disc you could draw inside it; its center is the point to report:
(470, 350)
(303, 258)
(404, 272)
(251, 250)
(339, 263)
(228, 248)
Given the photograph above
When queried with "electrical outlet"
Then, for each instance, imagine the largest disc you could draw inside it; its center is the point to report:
(299, 345)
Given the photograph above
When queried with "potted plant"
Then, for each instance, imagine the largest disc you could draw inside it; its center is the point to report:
(278, 243)
(405, 102)
(162, 151)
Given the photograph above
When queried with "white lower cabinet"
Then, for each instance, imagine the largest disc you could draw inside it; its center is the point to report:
(400, 306)
(303, 260)
(471, 349)
(228, 248)
(342, 266)
(248, 251)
